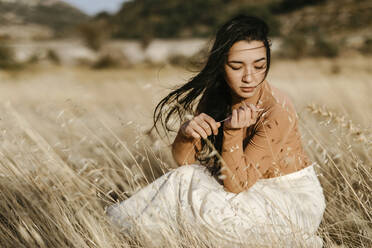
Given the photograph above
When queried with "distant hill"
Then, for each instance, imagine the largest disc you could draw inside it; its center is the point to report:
(199, 18)
(333, 17)
(175, 18)
(51, 14)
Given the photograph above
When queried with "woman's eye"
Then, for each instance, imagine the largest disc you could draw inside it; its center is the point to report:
(260, 67)
(235, 68)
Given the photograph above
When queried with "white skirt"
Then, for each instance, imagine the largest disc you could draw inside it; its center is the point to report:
(283, 211)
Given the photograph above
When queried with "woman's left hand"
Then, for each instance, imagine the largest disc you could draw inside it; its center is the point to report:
(244, 116)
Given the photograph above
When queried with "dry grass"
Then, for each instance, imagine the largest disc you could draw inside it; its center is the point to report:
(72, 143)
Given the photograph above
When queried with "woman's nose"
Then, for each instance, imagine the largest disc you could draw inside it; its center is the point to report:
(247, 76)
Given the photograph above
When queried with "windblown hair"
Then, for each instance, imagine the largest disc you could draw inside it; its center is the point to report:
(208, 91)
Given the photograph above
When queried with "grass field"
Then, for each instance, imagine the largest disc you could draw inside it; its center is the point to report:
(73, 142)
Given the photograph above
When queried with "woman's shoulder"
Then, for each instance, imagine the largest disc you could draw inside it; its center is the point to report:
(278, 104)
(279, 100)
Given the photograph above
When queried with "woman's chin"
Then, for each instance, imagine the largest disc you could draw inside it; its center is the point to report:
(241, 95)
(247, 94)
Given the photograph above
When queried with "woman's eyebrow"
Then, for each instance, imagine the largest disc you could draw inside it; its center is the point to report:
(235, 61)
(263, 58)
(241, 62)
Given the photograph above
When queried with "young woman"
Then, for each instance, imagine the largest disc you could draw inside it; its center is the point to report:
(244, 177)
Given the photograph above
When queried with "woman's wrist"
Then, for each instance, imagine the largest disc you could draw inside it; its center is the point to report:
(232, 138)
(232, 131)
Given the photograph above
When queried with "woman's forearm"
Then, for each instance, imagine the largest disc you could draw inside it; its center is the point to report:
(233, 158)
(183, 150)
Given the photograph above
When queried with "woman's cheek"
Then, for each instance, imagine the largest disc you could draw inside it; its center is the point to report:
(230, 84)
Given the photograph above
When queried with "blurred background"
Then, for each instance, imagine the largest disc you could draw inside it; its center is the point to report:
(120, 52)
(123, 56)
(121, 32)
(79, 80)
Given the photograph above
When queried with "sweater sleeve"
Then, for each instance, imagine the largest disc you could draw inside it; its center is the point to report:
(185, 149)
(245, 165)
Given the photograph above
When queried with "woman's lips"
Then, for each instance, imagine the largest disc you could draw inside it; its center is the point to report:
(247, 89)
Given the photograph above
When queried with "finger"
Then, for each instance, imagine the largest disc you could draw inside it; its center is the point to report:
(185, 128)
(251, 113)
(211, 122)
(254, 107)
(234, 118)
(248, 114)
(189, 131)
(203, 124)
(259, 104)
(198, 129)
(254, 112)
(241, 116)
(195, 135)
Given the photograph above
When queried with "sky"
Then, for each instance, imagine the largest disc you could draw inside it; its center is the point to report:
(92, 7)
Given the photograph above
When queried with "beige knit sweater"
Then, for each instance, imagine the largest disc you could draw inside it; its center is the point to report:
(274, 150)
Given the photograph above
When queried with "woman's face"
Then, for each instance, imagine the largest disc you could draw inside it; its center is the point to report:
(245, 68)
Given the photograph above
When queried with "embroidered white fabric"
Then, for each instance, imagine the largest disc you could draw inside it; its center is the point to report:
(284, 211)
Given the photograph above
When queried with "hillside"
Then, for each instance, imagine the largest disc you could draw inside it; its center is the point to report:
(54, 15)
(172, 18)
(334, 17)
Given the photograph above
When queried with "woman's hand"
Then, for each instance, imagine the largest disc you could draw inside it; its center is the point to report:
(244, 116)
(201, 125)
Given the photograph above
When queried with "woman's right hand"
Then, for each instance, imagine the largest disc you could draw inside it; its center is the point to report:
(201, 126)
(244, 116)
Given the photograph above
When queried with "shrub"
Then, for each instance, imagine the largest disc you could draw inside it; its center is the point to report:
(106, 61)
(53, 56)
(194, 62)
(300, 45)
(294, 47)
(95, 34)
(179, 60)
(367, 47)
(324, 48)
(7, 60)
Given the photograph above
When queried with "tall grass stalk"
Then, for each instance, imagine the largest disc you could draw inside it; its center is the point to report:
(63, 162)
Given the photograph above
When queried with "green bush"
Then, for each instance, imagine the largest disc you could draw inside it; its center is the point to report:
(106, 61)
(169, 19)
(7, 60)
(299, 45)
(367, 47)
(294, 47)
(324, 48)
(53, 56)
(193, 63)
(179, 60)
(95, 34)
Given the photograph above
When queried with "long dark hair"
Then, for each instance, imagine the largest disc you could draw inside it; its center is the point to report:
(208, 91)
